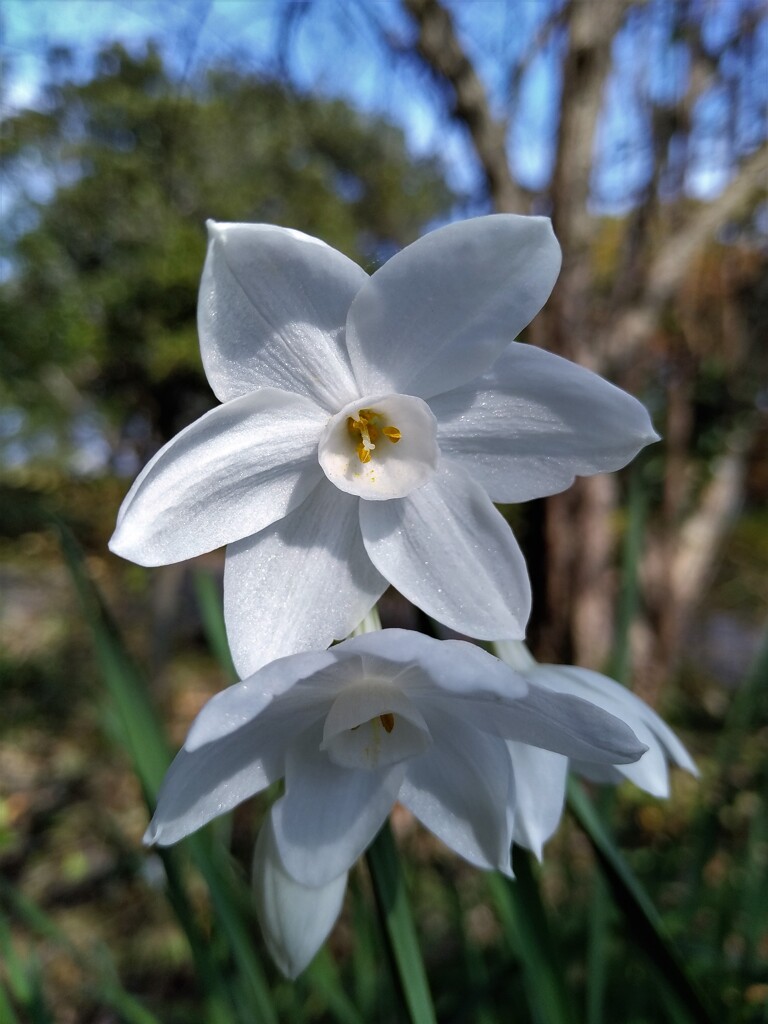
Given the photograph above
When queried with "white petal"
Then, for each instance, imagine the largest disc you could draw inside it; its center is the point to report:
(424, 667)
(211, 780)
(555, 721)
(300, 681)
(540, 778)
(460, 789)
(271, 313)
(389, 670)
(299, 584)
(650, 772)
(535, 421)
(295, 919)
(449, 551)
(438, 313)
(234, 471)
(394, 467)
(328, 815)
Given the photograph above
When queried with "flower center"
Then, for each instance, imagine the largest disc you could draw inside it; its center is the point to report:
(387, 720)
(371, 726)
(366, 430)
(380, 447)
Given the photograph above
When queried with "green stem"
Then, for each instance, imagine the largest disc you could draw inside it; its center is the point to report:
(370, 624)
(397, 923)
(647, 927)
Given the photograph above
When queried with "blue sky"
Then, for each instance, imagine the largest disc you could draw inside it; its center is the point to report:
(337, 47)
(340, 48)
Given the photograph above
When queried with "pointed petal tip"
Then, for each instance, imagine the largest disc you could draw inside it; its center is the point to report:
(506, 868)
(125, 543)
(632, 752)
(546, 223)
(537, 849)
(118, 544)
(660, 791)
(684, 761)
(157, 834)
(288, 968)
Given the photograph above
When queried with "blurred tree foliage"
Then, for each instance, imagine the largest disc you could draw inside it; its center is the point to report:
(112, 181)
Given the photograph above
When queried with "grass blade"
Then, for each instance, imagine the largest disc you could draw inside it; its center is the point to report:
(24, 982)
(643, 918)
(397, 921)
(140, 733)
(323, 977)
(139, 730)
(524, 920)
(7, 1012)
(108, 989)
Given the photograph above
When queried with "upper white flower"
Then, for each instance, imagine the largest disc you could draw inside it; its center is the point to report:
(541, 775)
(385, 716)
(370, 423)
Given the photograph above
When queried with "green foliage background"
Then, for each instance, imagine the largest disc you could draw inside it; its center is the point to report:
(99, 310)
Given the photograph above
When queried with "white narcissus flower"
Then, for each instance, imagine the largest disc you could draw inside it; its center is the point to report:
(541, 775)
(367, 426)
(382, 717)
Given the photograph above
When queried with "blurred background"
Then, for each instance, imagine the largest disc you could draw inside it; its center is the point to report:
(641, 129)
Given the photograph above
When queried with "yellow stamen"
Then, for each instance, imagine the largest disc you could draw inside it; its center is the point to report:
(387, 720)
(366, 429)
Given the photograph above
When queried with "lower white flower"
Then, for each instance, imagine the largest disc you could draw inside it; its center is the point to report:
(540, 775)
(385, 716)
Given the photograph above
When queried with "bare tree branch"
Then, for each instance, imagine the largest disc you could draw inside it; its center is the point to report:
(592, 28)
(621, 341)
(704, 530)
(542, 37)
(439, 46)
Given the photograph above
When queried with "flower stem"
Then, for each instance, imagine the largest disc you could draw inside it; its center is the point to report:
(370, 624)
(398, 927)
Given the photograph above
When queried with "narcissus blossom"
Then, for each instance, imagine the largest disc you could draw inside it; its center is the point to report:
(541, 775)
(383, 717)
(367, 426)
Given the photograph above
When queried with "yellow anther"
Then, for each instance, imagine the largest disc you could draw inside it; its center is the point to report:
(388, 721)
(365, 430)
